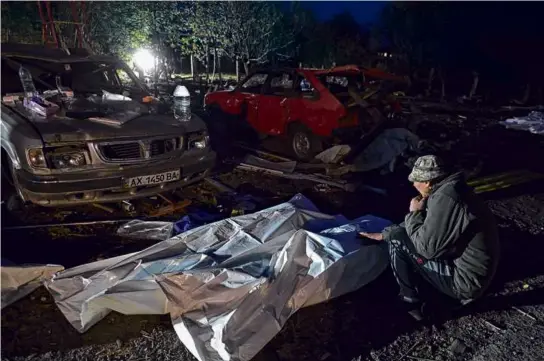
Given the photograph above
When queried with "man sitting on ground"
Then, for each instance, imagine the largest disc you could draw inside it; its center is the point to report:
(449, 239)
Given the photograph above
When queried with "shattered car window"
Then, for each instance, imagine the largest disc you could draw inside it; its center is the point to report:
(255, 83)
(125, 79)
(282, 81)
(81, 77)
(340, 83)
(339, 80)
(281, 84)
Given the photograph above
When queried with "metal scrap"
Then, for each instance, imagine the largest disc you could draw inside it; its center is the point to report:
(261, 152)
(524, 313)
(103, 207)
(84, 223)
(170, 208)
(220, 186)
(349, 187)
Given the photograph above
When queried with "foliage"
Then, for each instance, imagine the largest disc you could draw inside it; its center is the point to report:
(20, 22)
(448, 36)
(251, 31)
(118, 27)
(339, 41)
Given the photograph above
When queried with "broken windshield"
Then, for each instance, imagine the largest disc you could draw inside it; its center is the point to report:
(340, 83)
(81, 77)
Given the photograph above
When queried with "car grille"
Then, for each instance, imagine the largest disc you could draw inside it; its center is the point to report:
(117, 152)
(163, 146)
(121, 151)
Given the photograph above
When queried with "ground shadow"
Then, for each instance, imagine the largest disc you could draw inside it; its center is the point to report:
(35, 325)
(344, 328)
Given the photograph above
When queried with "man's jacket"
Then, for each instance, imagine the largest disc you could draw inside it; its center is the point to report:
(457, 227)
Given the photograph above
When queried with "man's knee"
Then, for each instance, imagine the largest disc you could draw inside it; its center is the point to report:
(397, 243)
(398, 234)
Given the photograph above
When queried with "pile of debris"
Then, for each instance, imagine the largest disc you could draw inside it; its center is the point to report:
(331, 165)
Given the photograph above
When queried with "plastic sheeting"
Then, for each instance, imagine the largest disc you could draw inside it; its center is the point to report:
(385, 149)
(231, 285)
(534, 123)
(382, 151)
(17, 281)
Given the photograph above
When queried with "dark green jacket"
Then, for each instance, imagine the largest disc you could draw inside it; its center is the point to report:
(456, 226)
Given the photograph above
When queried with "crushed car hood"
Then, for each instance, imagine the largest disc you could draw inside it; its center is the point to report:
(65, 130)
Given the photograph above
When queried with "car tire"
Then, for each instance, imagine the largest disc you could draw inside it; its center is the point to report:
(304, 144)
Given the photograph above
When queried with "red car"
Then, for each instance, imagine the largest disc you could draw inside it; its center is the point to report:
(313, 107)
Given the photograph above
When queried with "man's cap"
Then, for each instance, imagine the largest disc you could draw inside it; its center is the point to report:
(427, 168)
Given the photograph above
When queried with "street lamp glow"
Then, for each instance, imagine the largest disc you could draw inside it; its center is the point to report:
(144, 59)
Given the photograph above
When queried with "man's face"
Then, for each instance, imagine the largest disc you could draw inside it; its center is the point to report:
(424, 188)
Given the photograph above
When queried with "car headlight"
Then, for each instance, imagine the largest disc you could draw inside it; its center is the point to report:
(67, 157)
(36, 158)
(67, 160)
(58, 158)
(199, 141)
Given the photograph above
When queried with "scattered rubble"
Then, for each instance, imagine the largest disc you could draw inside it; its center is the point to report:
(534, 123)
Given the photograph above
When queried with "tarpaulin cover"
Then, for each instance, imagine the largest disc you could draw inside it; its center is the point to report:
(383, 150)
(17, 281)
(231, 285)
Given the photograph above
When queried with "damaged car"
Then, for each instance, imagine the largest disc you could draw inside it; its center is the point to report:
(314, 108)
(80, 128)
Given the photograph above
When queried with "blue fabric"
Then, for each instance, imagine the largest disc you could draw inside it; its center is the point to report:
(340, 228)
(346, 234)
(318, 225)
(195, 219)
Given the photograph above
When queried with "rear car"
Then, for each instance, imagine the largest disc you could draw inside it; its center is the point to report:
(313, 108)
(110, 140)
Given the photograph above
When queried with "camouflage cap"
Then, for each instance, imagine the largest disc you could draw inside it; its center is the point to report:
(427, 168)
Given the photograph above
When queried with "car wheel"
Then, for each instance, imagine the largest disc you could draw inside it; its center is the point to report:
(304, 144)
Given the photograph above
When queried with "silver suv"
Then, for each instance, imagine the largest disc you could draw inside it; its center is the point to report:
(75, 155)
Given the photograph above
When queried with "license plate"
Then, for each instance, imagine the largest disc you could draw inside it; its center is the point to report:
(152, 179)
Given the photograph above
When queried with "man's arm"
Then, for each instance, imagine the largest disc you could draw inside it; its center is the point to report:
(435, 233)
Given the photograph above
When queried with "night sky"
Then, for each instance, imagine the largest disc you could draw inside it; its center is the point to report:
(363, 11)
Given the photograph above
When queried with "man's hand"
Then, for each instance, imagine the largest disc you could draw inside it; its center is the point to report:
(417, 204)
(374, 236)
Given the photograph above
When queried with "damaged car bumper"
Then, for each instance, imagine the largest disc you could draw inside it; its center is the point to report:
(115, 184)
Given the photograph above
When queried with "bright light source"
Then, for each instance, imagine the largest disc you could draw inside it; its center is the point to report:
(144, 59)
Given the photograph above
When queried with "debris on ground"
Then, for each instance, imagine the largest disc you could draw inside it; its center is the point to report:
(265, 167)
(503, 180)
(534, 123)
(457, 347)
(333, 154)
(21, 280)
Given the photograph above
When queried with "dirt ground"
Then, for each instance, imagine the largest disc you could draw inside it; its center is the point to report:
(364, 325)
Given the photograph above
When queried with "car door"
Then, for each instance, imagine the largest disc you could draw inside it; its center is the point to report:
(275, 103)
(246, 98)
(306, 106)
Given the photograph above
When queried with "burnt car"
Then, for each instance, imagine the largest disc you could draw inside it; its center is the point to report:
(313, 107)
(107, 139)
